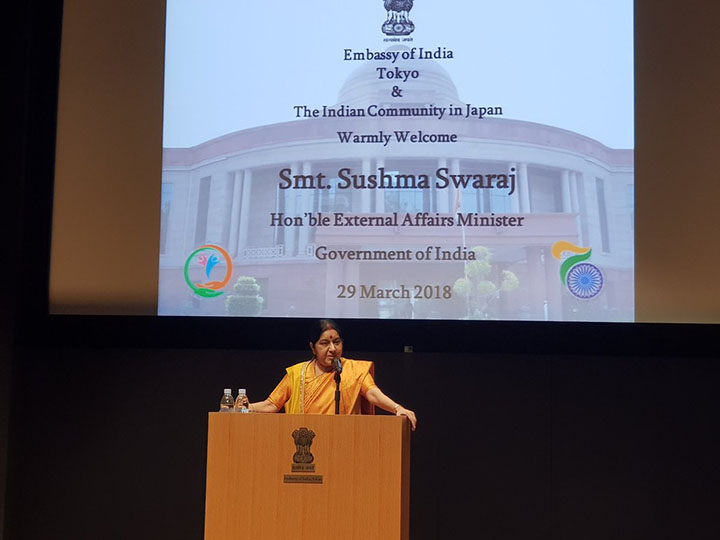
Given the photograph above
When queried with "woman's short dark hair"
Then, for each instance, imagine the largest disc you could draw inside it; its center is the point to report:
(323, 325)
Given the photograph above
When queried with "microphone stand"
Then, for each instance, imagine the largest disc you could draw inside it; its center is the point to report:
(337, 392)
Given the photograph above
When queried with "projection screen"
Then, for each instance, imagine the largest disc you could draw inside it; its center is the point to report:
(534, 153)
(456, 160)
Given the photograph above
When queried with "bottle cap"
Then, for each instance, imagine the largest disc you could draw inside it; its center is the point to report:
(228, 391)
(241, 391)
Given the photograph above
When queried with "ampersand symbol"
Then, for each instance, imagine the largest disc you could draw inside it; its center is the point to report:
(396, 92)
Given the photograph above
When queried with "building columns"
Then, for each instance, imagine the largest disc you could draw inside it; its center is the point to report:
(454, 194)
(244, 211)
(522, 178)
(379, 197)
(305, 206)
(235, 213)
(565, 190)
(444, 201)
(575, 201)
(365, 194)
(515, 197)
(537, 297)
(291, 209)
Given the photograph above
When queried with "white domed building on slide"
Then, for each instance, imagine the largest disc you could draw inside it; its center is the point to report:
(568, 187)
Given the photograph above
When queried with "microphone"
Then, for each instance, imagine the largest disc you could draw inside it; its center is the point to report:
(338, 370)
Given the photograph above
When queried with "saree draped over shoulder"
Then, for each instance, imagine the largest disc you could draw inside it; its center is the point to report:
(303, 392)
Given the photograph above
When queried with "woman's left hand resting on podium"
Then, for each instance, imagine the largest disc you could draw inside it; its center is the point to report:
(313, 382)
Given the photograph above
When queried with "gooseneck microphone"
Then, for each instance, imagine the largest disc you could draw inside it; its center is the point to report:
(338, 370)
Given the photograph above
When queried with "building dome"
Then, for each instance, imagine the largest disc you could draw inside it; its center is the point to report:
(433, 85)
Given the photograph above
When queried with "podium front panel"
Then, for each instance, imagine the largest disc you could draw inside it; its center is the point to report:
(351, 482)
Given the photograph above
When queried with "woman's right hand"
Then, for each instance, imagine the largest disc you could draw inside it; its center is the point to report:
(266, 406)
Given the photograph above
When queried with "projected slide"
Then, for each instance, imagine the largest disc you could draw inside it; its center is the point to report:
(398, 159)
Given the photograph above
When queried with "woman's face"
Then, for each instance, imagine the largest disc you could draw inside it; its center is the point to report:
(327, 348)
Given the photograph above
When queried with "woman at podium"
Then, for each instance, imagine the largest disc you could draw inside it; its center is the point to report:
(310, 387)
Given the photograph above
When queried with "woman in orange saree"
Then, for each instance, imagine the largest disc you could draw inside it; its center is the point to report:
(309, 387)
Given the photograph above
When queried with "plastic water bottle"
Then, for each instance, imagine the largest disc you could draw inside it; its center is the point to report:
(240, 401)
(226, 403)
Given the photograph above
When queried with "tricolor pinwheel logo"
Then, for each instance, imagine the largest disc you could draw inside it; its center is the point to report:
(202, 262)
(582, 279)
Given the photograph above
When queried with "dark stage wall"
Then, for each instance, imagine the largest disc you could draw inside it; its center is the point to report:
(110, 443)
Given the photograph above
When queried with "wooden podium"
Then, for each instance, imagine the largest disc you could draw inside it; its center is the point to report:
(265, 482)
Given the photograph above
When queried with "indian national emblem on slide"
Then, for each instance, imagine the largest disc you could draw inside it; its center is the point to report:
(398, 22)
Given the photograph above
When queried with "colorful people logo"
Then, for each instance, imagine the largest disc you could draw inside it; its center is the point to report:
(582, 279)
(208, 257)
